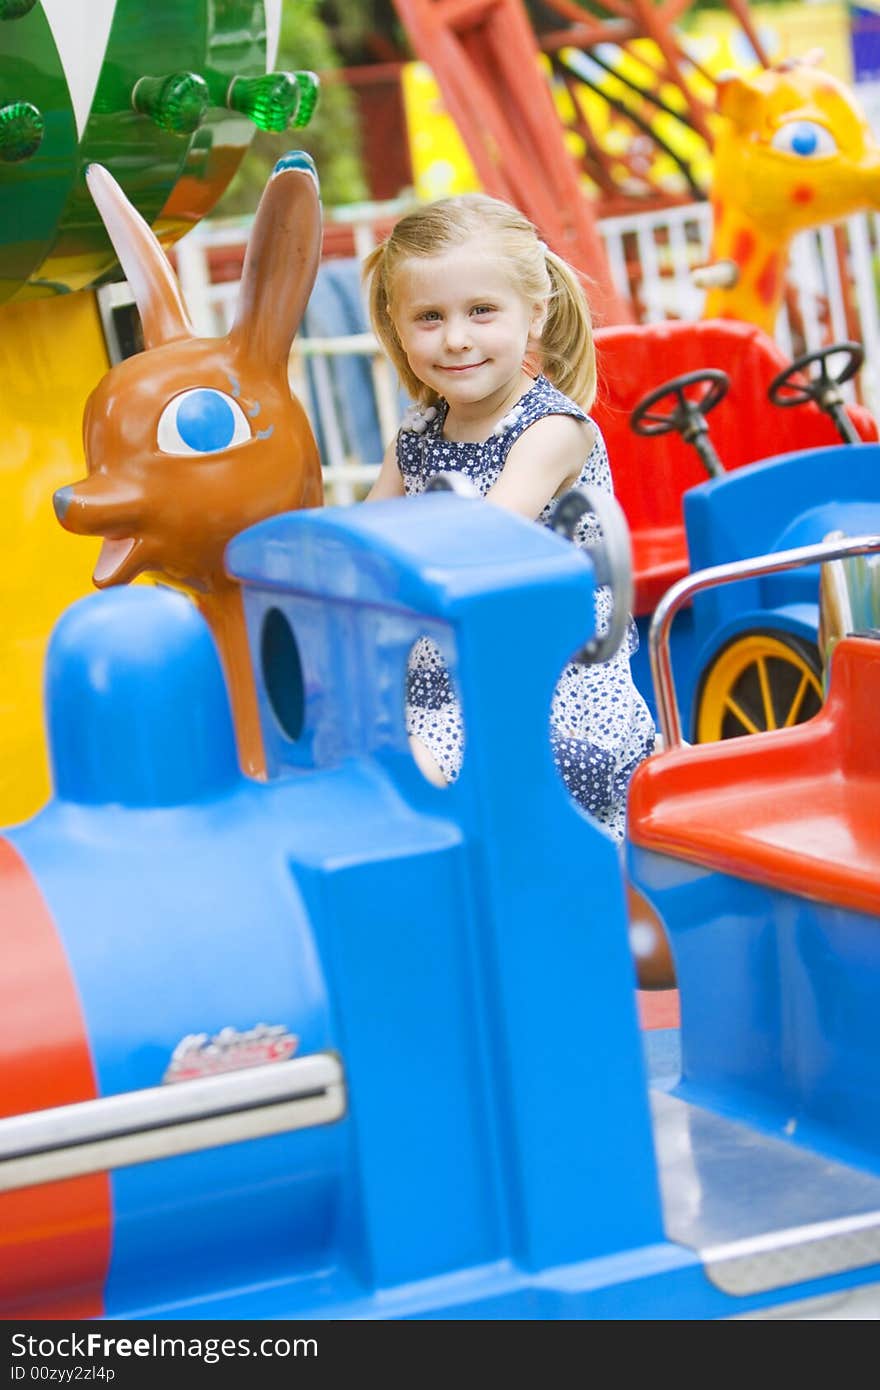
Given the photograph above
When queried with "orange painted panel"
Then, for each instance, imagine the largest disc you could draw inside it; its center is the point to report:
(794, 809)
(55, 1238)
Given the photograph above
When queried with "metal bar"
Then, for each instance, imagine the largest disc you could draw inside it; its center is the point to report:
(345, 345)
(613, 240)
(195, 281)
(675, 598)
(340, 481)
(158, 1122)
(782, 331)
(840, 330)
(651, 287)
(861, 251)
(687, 298)
(805, 274)
(387, 398)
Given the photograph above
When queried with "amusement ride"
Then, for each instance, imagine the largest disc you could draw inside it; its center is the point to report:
(287, 1031)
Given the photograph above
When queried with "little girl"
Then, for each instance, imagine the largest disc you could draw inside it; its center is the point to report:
(491, 335)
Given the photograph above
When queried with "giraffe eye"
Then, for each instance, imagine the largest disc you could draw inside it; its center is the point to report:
(806, 139)
(201, 421)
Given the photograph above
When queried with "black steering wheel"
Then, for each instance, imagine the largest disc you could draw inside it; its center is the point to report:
(823, 387)
(688, 415)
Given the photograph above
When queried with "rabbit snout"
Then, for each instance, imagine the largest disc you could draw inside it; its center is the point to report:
(96, 506)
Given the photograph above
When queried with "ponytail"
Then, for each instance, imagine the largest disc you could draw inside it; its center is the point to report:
(567, 350)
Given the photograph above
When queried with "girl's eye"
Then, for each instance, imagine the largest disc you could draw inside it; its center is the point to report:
(807, 139)
(201, 421)
(484, 308)
(429, 316)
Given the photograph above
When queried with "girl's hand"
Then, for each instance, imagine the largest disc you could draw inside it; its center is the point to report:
(546, 459)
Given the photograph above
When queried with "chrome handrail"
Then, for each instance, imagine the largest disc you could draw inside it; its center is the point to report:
(117, 1131)
(675, 598)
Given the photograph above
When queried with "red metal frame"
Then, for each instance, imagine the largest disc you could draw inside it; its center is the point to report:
(485, 56)
(486, 61)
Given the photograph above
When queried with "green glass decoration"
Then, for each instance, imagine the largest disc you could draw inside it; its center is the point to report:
(308, 84)
(271, 102)
(14, 9)
(21, 131)
(173, 149)
(177, 102)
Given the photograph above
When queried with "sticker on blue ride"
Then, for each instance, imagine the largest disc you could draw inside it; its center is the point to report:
(198, 1055)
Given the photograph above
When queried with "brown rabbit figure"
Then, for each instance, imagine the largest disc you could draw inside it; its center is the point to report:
(194, 439)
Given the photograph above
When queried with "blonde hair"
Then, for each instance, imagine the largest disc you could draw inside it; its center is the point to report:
(566, 353)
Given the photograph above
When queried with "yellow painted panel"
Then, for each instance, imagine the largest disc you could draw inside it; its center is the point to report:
(440, 161)
(52, 355)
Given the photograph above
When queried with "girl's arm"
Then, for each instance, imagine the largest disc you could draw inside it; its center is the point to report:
(546, 458)
(389, 482)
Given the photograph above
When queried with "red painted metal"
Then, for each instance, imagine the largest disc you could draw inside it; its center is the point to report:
(651, 475)
(622, 24)
(56, 1236)
(485, 55)
(813, 834)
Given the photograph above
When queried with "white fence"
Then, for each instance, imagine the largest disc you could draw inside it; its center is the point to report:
(833, 273)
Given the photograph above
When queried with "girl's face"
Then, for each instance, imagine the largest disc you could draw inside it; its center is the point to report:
(463, 324)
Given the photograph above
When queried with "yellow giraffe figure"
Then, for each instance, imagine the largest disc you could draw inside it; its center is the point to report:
(794, 150)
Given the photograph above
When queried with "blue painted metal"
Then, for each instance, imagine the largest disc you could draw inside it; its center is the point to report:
(381, 585)
(778, 999)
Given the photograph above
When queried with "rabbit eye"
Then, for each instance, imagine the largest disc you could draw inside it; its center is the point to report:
(201, 421)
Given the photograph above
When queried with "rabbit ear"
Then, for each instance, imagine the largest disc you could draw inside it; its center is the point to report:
(144, 263)
(281, 261)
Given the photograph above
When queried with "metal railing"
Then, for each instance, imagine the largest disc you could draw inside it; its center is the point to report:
(95, 1136)
(675, 598)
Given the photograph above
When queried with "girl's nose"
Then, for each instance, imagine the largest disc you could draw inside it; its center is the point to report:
(457, 334)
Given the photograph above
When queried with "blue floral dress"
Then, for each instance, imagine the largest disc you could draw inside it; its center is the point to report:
(600, 727)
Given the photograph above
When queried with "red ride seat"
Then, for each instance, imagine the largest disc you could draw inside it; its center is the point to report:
(795, 809)
(650, 475)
